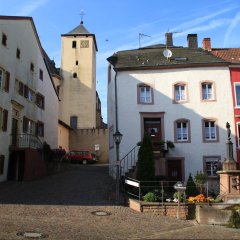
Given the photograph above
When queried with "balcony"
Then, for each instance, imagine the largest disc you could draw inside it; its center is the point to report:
(26, 141)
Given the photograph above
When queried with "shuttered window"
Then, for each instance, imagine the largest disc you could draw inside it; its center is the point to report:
(5, 120)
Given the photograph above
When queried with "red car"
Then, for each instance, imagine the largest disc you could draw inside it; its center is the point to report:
(83, 157)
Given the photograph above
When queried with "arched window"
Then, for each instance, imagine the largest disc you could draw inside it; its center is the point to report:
(180, 92)
(145, 94)
(182, 130)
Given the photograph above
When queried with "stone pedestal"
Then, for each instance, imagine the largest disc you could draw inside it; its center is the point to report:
(229, 185)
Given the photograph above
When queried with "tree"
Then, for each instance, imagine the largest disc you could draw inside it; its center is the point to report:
(191, 189)
(200, 179)
(145, 167)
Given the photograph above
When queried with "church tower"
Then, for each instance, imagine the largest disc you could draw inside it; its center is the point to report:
(78, 71)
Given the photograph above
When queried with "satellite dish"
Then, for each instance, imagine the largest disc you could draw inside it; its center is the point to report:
(167, 53)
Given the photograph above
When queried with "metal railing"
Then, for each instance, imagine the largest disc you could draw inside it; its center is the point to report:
(129, 161)
(26, 141)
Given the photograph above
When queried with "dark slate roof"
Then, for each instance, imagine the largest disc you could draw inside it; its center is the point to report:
(51, 65)
(228, 54)
(80, 30)
(152, 57)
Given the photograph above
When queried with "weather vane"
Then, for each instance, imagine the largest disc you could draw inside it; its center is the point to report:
(82, 14)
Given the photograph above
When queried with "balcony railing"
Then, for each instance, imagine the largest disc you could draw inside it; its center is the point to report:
(26, 141)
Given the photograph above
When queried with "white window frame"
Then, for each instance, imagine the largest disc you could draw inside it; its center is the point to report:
(179, 92)
(235, 93)
(207, 95)
(144, 98)
(211, 165)
(210, 130)
(238, 134)
(182, 131)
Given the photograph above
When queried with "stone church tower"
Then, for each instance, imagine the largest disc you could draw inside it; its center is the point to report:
(78, 70)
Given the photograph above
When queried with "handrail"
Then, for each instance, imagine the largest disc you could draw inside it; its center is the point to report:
(129, 160)
(26, 140)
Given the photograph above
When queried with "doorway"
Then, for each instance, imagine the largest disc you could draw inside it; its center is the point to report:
(174, 170)
(16, 166)
(14, 131)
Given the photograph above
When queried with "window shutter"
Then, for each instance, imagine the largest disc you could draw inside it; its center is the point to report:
(20, 90)
(5, 120)
(7, 80)
(25, 91)
(24, 124)
(36, 129)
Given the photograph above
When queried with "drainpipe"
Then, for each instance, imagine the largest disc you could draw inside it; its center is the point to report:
(116, 102)
(117, 145)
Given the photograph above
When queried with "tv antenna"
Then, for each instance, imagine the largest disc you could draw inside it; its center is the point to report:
(140, 36)
(82, 14)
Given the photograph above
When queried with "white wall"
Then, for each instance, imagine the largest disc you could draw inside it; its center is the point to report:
(195, 110)
(20, 35)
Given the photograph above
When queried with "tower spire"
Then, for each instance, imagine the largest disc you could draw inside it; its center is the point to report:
(82, 14)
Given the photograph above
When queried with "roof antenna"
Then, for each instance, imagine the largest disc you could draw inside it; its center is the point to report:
(140, 36)
(82, 14)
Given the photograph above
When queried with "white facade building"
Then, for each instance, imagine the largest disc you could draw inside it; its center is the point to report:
(185, 99)
(28, 100)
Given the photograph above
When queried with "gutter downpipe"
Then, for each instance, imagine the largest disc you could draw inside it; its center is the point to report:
(117, 145)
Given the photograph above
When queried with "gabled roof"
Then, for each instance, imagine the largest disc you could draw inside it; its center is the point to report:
(231, 55)
(22, 18)
(80, 30)
(152, 58)
(51, 65)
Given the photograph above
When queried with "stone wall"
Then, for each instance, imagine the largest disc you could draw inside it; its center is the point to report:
(86, 139)
(187, 211)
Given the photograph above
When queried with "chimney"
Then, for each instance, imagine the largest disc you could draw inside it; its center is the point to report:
(192, 40)
(169, 39)
(206, 44)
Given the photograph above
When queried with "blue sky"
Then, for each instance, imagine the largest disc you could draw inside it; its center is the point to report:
(117, 24)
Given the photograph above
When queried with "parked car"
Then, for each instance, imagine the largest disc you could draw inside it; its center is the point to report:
(83, 157)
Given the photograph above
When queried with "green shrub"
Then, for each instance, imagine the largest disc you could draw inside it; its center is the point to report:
(200, 179)
(235, 219)
(182, 196)
(150, 197)
(191, 189)
(145, 165)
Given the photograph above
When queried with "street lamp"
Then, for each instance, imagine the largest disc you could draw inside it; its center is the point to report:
(117, 136)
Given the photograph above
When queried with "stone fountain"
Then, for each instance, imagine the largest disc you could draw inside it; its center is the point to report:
(230, 174)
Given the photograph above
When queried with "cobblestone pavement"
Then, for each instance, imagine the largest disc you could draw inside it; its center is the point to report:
(61, 207)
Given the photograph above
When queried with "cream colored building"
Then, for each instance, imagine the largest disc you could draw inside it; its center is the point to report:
(78, 71)
(28, 101)
(185, 99)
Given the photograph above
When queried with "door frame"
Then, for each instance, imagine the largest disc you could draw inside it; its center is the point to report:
(144, 115)
(182, 160)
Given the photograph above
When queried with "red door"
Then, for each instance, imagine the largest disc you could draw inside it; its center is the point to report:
(152, 126)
